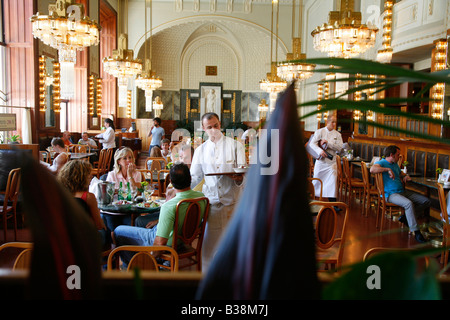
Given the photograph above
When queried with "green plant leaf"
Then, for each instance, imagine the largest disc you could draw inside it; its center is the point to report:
(398, 275)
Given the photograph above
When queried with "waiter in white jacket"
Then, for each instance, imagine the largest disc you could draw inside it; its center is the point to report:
(325, 169)
(217, 154)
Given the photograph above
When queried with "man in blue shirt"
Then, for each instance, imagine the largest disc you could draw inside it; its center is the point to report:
(395, 191)
(156, 134)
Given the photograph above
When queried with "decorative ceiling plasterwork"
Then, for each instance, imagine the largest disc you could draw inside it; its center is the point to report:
(249, 41)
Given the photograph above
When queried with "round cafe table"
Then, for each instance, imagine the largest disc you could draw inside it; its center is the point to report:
(116, 213)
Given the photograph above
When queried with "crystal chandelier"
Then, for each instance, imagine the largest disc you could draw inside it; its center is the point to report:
(290, 69)
(148, 81)
(273, 83)
(122, 65)
(344, 36)
(385, 54)
(68, 30)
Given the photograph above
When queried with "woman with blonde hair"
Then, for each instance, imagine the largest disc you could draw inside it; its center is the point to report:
(124, 169)
(75, 176)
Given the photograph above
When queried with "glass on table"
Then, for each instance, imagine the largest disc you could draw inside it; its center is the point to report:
(148, 192)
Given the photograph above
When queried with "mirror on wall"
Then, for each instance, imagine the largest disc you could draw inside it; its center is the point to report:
(49, 90)
(94, 102)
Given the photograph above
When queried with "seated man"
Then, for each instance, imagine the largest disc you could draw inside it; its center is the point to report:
(395, 191)
(161, 233)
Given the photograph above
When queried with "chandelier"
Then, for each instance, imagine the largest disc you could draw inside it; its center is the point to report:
(290, 69)
(121, 64)
(148, 81)
(68, 30)
(273, 83)
(344, 36)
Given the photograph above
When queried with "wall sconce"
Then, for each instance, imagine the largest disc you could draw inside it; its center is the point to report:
(319, 98)
(99, 96)
(357, 97)
(91, 95)
(56, 87)
(95, 96)
(128, 103)
(42, 75)
(48, 80)
(438, 63)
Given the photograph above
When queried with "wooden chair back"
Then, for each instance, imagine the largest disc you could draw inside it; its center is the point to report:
(23, 259)
(446, 226)
(384, 205)
(192, 231)
(9, 209)
(377, 250)
(144, 259)
(346, 170)
(330, 230)
(163, 173)
(339, 168)
(340, 176)
(380, 186)
(44, 156)
(311, 165)
(157, 163)
(81, 148)
(365, 175)
(103, 164)
(312, 190)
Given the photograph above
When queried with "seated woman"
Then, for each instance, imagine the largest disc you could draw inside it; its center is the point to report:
(124, 169)
(62, 156)
(75, 175)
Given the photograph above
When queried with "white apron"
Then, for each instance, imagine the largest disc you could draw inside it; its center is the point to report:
(325, 169)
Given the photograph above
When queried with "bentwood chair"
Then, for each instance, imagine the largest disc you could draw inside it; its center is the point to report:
(189, 240)
(330, 230)
(155, 163)
(383, 205)
(102, 165)
(379, 250)
(353, 184)
(144, 259)
(81, 148)
(341, 181)
(312, 190)
(44, 156)
(23, 259)
(446, 226)
(370, 191)
(9, 208)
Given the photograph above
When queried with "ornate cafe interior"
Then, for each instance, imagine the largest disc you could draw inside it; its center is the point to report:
(97, 82)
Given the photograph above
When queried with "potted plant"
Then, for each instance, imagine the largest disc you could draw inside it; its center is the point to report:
(439, 172)
(350, 154)
(14, 139)
(405, 164)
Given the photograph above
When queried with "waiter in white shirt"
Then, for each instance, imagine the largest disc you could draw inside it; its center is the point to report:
(217, 154)
(325, 169)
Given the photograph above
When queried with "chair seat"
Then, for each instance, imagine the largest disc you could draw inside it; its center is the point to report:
(327, 256)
